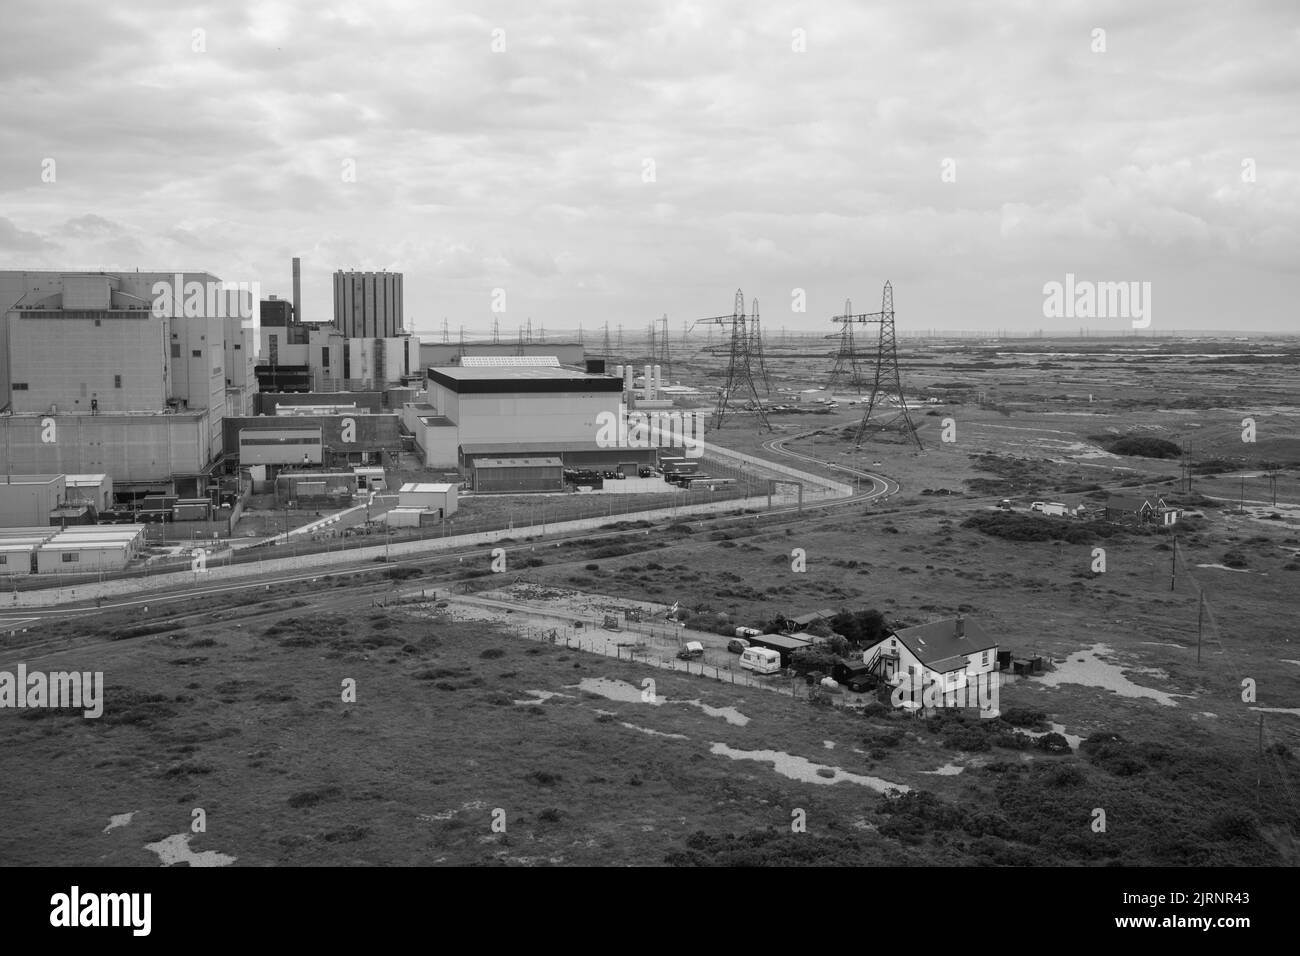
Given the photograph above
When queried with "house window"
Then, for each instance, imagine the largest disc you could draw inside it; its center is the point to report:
(70, 556)
(4, 559)
(325, 357)
(237, 346)
(197, 353)
(176, 350)
(20, 386)
(117, 381)
(984, 661)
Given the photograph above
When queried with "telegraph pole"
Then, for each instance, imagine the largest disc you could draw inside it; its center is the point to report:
(1200, 625)
(1259, 761)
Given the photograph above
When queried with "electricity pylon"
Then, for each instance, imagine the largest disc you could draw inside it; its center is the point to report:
(888, 383)
(740, 367)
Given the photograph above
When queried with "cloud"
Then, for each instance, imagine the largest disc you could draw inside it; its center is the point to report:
(774, 169)
(13, 239)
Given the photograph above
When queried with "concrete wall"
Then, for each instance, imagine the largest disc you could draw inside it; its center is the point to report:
(321, 563)
(67, 362)
(89, 559)
(280, 446)
(524, 417)
(438, 444)
(129, 448)
(370, 433)
(28, 504)
(377, 362)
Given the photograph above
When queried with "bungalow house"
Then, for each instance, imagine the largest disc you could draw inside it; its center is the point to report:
(1141, 509)
(950, 652)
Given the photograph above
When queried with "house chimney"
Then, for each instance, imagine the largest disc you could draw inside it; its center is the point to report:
(297, 290)
(961, 626)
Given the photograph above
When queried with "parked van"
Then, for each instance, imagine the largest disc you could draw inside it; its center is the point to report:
(761, 660)
(748, 632)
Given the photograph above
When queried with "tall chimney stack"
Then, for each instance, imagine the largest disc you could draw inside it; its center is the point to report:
(961, 626)
(297, 289)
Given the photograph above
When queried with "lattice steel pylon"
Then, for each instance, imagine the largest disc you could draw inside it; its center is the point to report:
(740, 370)
(756, 348)
(846, 358)
(606, 351)
(888, 383)
(661, 354)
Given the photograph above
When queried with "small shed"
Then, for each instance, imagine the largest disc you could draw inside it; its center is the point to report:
(429, 496)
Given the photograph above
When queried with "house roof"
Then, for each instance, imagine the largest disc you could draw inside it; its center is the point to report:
(1129, 503)
(825, 614)
(936, 644)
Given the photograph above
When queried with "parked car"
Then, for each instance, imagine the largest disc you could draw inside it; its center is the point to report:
(691, 651)
(737, 645)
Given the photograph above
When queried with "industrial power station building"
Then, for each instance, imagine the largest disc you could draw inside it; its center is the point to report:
(101, 373)
(511, 411)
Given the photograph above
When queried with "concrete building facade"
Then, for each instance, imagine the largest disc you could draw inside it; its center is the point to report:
(26, 501)
(368, 305)
(92, 363)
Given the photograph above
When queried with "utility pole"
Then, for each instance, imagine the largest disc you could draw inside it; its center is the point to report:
(1173, 563)
(1200, 625)
(1259, 761)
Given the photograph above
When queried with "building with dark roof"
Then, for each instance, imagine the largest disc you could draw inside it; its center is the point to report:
(1139, 508)
(951, 651)
(511, 411)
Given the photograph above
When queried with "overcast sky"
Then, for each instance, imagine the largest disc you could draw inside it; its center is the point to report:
(617, 161)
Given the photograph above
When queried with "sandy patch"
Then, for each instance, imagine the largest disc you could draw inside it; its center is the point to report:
(798, 768)
(1087, 668)
(119, 820)
(176, 849)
